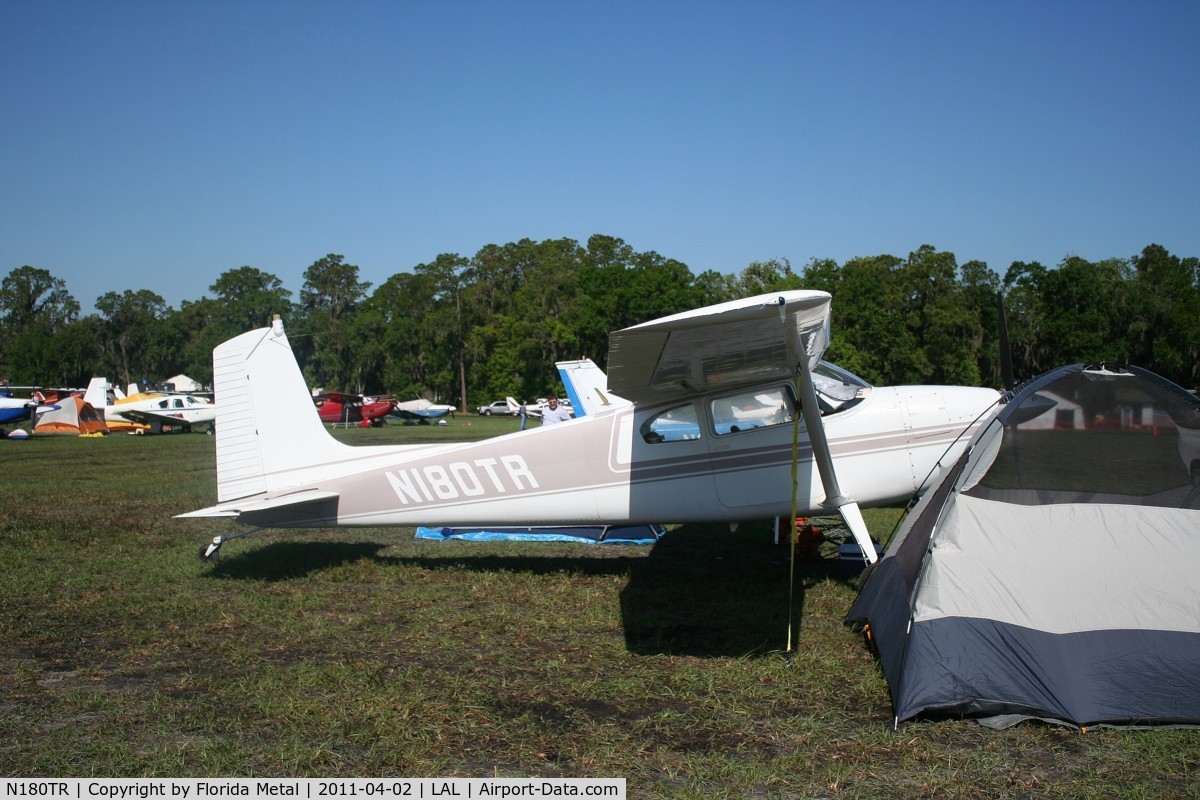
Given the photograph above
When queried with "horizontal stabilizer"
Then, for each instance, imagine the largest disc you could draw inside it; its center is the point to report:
(302, 508)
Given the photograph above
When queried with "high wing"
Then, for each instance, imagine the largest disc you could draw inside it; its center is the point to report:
(718, 347)
(730, 345)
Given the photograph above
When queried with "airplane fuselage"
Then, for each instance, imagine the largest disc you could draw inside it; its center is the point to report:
(610, 468)
(156, 410)
(13, 410)
(720, 414)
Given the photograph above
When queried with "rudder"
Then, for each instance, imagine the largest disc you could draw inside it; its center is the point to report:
(267, 425)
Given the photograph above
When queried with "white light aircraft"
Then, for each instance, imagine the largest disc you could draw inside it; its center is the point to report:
(139, 411)
(420, 410)
(725, 414)
(531, 409)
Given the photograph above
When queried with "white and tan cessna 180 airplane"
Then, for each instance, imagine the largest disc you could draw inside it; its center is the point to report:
(714, 407)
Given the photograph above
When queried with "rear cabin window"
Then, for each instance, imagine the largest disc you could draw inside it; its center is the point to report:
(757, 408)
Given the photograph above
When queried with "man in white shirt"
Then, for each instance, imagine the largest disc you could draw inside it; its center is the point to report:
(553, 412)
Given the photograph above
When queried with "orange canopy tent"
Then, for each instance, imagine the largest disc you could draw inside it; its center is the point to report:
(73, 416)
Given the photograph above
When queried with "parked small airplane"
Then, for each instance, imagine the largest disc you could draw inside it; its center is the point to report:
(14, 410)
(339, 408)
(678, 452)
(420, 410)
(139, 412)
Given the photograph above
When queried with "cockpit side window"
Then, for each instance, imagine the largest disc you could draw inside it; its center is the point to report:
(757, 408)
(676, 424)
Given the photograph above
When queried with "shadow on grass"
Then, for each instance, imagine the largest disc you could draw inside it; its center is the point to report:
(702, 590)
(708, 592)
(281, 561)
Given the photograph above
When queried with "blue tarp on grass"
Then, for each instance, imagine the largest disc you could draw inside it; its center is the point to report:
(587, 534)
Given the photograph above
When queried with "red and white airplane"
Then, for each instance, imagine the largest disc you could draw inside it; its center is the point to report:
(339, 408)
(725, 413)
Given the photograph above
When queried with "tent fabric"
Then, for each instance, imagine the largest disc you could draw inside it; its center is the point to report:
(1051, 574)
(182, 383)
(586, 534)
(74, 416)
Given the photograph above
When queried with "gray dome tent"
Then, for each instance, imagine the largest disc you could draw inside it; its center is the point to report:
(1054, 572)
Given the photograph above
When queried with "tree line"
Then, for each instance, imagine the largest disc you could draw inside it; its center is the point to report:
(494, 324)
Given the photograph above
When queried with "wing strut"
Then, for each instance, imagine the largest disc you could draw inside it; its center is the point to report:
(834, 498)
(805, 358)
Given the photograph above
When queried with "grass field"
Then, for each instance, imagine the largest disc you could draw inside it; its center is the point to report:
(370, 653)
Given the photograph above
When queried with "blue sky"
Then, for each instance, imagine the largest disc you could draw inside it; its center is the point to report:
(155, 145)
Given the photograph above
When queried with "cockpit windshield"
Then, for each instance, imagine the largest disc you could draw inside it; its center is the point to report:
(837, 387)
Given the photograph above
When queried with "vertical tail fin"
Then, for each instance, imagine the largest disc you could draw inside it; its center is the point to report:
(587, 387)
(268, 429)
(97, 394)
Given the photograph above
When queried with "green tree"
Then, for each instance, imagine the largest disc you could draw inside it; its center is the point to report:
(201, 325)
(446, 278)
(35, 311)
(488, 292)
(1164, 310)
(602, 301)
(657, 287)
(760, 277)
(328, 299)
(541, 325)
(32, 297)
(1076, 312)
(131, 332)
(1085, 317)
(1024, 309)
(616, 287)
(249, 298)
(981, 292)
(396, 344)
(77, 353)
(870, 334)
(946, 327)
(712, 287)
